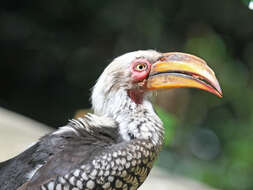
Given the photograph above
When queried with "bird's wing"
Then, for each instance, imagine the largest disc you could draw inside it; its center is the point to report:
(16, 170)
(73, 148)
(74, 154)
(56, 154)
(21, 168)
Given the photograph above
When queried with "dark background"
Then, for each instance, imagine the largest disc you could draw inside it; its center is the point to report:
(52, 52)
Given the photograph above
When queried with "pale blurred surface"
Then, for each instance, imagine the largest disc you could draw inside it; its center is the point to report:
(18, 132)
(159, 180)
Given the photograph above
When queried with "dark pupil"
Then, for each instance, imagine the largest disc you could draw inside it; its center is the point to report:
(141, 67)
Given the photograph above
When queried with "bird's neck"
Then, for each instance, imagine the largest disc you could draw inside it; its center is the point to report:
(134, 114)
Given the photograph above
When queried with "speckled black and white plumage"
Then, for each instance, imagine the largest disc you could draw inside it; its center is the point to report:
(114, 148)
(95, 158)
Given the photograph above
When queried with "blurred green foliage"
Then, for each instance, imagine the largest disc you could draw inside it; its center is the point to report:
(169, 122)
(52, 52)
(229, 120)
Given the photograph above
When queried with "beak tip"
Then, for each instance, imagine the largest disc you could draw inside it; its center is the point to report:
(220, 95)
(218, 89)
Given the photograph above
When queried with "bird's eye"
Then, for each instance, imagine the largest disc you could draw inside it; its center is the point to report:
(141, 67)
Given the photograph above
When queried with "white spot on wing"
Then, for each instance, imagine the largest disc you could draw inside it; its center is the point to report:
(58, 187)
(66, 187)
(76, 173)
(90, 184)
(79, 184)
(72, 180)
(50, 186)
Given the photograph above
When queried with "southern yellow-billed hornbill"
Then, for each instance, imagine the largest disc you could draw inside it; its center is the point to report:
(115, 147)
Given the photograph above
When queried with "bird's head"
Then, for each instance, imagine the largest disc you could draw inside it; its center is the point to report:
(131, 76)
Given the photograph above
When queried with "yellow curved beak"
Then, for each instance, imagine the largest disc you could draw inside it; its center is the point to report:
(178, 70)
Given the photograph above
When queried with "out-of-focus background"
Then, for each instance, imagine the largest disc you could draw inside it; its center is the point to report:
(52, 52)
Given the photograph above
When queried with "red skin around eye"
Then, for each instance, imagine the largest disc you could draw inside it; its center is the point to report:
(140, 75)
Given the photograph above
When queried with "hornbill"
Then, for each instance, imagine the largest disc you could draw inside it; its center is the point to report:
(116, 146)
